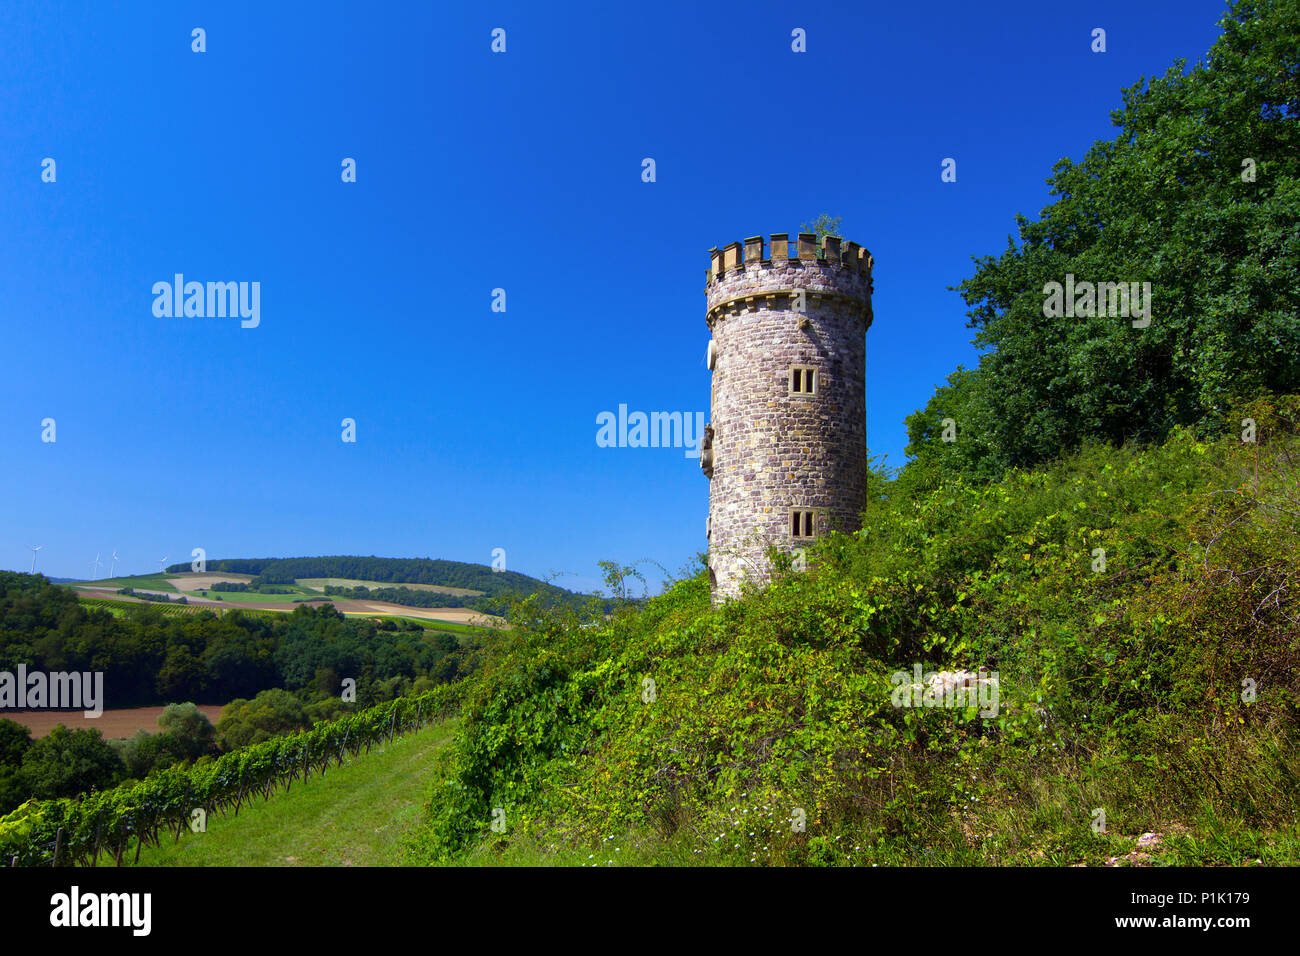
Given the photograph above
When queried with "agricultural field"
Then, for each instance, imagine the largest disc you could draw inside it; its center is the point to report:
(449, 627)
(197, 590)
(119, 604)
(248, 597)
(456, 615)
(319, 584)
(113, 724)
(147, 582)
(115, 608)
(453, 620)
(195, 581)
(200, 585)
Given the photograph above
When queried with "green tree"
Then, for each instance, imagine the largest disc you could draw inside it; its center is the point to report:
(182, 673)
(823, 226)
(146, 752)
(1199, 195)
(270, 713)
(190, 727)
(329, 708)
(14, 742)
(67, 762)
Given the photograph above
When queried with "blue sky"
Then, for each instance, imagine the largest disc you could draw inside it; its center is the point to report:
(476, 429)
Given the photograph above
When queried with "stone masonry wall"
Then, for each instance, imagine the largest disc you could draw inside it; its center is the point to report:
(773, 451)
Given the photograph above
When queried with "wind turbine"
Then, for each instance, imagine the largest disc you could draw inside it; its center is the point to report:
(113, 570)
(35, 548)
(94, 568)
(162, 562)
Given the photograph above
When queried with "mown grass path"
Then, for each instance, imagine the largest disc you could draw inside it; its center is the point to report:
(354, 815)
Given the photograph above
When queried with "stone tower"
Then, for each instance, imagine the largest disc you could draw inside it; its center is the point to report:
(785, 452)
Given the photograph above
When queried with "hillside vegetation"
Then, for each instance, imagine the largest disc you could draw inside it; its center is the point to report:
(1159, 688)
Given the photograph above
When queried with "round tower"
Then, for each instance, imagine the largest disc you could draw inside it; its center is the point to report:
(786, 449)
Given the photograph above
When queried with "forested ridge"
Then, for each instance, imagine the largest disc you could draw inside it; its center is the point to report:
(455, 574)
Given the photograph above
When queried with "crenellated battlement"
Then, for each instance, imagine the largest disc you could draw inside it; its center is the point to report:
(744, 279)
(834, 251)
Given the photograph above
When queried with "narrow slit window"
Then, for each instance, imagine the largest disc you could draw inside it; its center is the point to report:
(803, 380)
(803, 524)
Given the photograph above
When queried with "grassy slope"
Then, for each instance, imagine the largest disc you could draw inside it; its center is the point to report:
(146, 582)
(782, 700)
(356, 814)
(245, 597)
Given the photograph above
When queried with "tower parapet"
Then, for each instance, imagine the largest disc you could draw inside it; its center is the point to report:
(786, 452)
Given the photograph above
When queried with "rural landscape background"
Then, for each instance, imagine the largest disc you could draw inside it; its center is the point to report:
(365, 589)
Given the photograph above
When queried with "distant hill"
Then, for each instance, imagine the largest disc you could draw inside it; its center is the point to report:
(396, 571)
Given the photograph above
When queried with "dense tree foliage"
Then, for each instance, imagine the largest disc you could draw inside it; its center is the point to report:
(190, 725)
(253, 587)
(14, 742)
(148, 657)
(1199, 195)
(150, 596)
(65, 763)
(185, 734)
(269, 714)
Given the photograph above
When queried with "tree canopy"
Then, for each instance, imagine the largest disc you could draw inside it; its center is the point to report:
(1199, 195)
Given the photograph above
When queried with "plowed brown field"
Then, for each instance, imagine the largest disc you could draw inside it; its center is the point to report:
(111, 723)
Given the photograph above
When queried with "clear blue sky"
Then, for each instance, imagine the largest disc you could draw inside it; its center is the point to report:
(476, 430)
